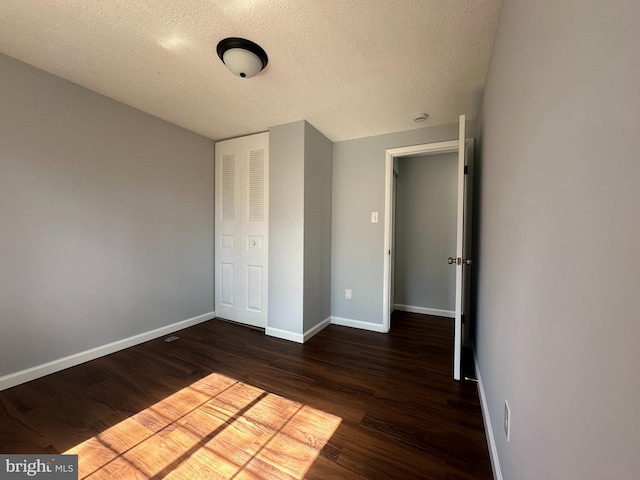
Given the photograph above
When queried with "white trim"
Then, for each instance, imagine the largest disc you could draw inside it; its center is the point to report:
(457, 327)
(298, 337)
(347, 322)
(23, 376)
(491, 441)
(284, 334)
(426, 311)
(318, 328)
(391, 153)
(386, 265)
(425, 149)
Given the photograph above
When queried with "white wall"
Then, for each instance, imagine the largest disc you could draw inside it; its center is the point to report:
(559, 226)
(426, 209)
(357, 245)
(107, 220)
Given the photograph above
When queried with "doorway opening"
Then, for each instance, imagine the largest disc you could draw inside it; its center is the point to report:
(424, 234)
(459, 259)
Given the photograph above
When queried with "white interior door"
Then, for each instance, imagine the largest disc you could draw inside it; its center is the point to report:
(466, 246)
(461, 258)
(256, 240)
(227, 227)
(241, 223)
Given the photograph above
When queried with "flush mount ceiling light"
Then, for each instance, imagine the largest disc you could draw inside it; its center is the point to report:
(420, 117)
(243, 57)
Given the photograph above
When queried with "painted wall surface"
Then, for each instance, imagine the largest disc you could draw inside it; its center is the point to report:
(107, 220)
(357, 246)
(559, 226)
(299, 227)
(286, 227)
(317, 227)
(426, 212)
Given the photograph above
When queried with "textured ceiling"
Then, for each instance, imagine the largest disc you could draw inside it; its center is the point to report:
(351, 68)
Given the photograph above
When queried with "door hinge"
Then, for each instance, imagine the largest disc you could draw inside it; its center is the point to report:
(466, 169)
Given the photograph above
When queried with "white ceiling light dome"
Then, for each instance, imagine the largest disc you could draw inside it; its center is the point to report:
(243, 57)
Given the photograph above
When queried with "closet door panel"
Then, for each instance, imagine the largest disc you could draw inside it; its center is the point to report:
(241, 255)
(256, 217)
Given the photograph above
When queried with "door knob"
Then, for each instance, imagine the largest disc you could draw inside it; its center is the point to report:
(451, 260)
(468, 261)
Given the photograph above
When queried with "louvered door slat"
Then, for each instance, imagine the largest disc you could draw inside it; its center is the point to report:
(256, 185)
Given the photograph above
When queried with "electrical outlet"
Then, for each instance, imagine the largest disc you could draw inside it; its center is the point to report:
(347, 294)
(507, 420)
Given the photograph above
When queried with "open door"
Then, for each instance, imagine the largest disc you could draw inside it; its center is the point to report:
(461, 261)
(463, 247)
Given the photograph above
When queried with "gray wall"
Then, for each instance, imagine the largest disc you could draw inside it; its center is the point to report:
(107, 220)
(286, 226)
(559, 226)
(317, 227)
(426, 212)
(357, 244)
(299, 227)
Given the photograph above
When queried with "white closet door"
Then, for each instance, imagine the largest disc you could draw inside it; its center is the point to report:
(255, 153)
(227, 228)
(242, 219)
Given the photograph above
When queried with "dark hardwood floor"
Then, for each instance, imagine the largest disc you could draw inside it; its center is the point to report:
(225, 401)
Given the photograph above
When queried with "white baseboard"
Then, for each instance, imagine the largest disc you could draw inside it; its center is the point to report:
(297, 337)
(23, 376)
(347, 322)
(284, 334)
(426, 311)
(491, 441)
(318, 328)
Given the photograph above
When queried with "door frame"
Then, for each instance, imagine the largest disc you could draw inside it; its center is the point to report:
(391, 153)
(451, 146)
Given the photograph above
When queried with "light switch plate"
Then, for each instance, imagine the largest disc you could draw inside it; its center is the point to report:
(507, 420)
(374, 217)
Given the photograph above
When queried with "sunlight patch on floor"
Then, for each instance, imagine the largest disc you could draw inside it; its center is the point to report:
(215, 428)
